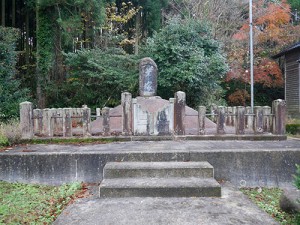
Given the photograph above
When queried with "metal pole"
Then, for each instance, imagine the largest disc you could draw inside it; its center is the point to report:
(251, 54)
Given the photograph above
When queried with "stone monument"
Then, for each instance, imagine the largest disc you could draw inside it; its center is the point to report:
(147, 78)
(152, 115)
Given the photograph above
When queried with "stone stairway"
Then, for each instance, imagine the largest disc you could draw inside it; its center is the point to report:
(159, 179)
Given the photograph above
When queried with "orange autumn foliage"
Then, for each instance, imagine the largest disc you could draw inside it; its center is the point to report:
(268, 74)
(239, 98)
(272, 31)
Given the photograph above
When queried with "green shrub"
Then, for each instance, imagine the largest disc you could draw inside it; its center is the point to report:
(10, 133)
(3, 140)
(297, 184)
(293, 128)
(189, 59)
(297, 177)
(10, 92)
(96, 78)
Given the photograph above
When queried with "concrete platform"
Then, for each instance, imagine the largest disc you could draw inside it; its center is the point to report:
(243, 163)
(233, 208)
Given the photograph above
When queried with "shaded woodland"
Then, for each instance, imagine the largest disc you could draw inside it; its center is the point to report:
(74, 52)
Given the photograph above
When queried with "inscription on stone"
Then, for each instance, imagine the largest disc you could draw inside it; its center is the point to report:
(147, 77)
(162, 123)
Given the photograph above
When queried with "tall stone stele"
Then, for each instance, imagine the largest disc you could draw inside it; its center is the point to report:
(147, 77)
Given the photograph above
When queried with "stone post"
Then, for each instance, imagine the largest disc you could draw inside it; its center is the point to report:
(214, 112)
(221, 120)
(249, 118)
(258, 124)
(179, 113)
(67, 128)
(52, 115)
(37, 121)
(171, 113)
(98, 113)
(234, 115)
(126, 103)
(229, 116)
(86, 121)
(134, 116)
(267, 120)
(201, 119)
(26, 120)
(46, 122)
(147, 77)
(105, 121)
(279, 111)
(240, 120)
(59, 121)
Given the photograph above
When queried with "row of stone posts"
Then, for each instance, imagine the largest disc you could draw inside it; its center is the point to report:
(50, 122)
(260, 121)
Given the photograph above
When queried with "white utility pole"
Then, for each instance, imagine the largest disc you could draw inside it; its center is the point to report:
(251, 55)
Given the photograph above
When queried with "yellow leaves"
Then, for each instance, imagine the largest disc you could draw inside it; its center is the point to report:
(127, 42)
(117, 18)
(127, 12)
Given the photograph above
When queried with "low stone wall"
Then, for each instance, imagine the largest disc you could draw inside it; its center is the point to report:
(263, 167)
(152, 116)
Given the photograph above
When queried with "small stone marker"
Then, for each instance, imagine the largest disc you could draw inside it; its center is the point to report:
(147, 77)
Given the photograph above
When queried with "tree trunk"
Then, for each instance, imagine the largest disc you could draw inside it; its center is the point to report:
(13, 13)
(27, 50)
(3, 13)
(39, 80)
(138, 32)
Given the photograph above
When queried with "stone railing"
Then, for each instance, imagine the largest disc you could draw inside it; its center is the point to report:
(172, 118)
(263, 120)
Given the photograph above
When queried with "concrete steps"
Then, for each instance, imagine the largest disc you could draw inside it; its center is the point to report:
(159, 179)
(158, 169)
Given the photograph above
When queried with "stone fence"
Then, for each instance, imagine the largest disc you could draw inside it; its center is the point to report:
(173, 119)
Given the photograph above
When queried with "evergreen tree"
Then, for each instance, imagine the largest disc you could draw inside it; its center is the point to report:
(189, 60)
(10, 93)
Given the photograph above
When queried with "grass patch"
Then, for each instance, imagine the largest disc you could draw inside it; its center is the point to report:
(268, 200)
(10, 133)
(70, 141)
(63, 141)
(34, 204)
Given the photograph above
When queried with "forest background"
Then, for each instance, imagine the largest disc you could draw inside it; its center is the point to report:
(66, 53)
